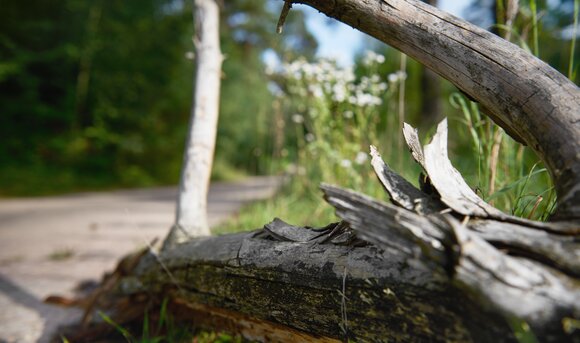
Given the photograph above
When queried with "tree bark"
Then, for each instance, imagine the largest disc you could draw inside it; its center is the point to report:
(191, 214)
(534, 103)
(292, 284)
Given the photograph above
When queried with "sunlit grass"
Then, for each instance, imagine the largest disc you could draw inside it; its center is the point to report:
(290, 204)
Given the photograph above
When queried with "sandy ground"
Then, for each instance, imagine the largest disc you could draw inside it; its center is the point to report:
(49, 245)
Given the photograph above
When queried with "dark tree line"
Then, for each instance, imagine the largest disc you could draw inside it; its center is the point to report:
(97, 93)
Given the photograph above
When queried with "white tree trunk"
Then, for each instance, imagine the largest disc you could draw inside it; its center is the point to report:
(191, 214)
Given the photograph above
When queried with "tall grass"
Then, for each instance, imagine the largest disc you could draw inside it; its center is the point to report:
(571, 71)
(507, 174)
(535, 27)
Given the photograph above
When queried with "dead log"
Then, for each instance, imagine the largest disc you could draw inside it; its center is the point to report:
(433, 266)
(287, 284)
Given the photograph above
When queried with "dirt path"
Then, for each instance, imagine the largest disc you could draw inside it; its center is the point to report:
(48, 245)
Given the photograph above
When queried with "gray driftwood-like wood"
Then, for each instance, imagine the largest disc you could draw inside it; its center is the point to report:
(552, 243)
(533, 102)
(401, 191)
(517, 287)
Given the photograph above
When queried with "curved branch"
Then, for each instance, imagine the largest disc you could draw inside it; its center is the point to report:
(533, 102)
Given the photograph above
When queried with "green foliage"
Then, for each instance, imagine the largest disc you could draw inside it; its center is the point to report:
(332, 115)
(88, 96)
(522, 331)
(97, 94)
(293, 204)
(165, 329)
(545, 28)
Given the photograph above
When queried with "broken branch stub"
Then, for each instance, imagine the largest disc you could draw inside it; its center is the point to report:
(523, 269)
(454, 191)
(525, 286)
(401, 191)
(514, 286)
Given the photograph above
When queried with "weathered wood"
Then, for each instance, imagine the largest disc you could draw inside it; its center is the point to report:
(542, 242)
(401, 191)
(423, 278)
(533, 102)
(325, 290)
(457, 194)
(559, 251)
(516, 287)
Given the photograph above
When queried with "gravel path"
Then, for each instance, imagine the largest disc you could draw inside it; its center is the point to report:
(48, 245)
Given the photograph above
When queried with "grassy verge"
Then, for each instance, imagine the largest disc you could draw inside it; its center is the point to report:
(293, 206)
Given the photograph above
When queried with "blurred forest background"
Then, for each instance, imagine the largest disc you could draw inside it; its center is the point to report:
(96, 94)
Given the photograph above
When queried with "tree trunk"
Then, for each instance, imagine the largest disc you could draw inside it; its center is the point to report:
(191, 215)
(436, 266)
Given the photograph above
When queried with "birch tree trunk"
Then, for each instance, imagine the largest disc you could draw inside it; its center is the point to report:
(191, 214)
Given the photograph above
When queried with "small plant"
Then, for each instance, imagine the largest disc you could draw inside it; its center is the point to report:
(165, 329)
(61, 254)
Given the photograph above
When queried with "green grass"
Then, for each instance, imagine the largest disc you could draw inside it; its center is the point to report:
(61, 254)
(159, 326)
(290, 204)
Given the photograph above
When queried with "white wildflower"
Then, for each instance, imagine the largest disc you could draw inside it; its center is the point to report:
(316, 90)
(361, 157)
(345, 163)
(397, 77)
(402, 75)
(298, 118)
(372, 57)
(364, 99)
(348, 114)
(309, 137)
(338, 92)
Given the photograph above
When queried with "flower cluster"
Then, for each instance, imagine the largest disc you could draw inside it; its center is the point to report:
(325, 80)
(370, 58)
(336, 111)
